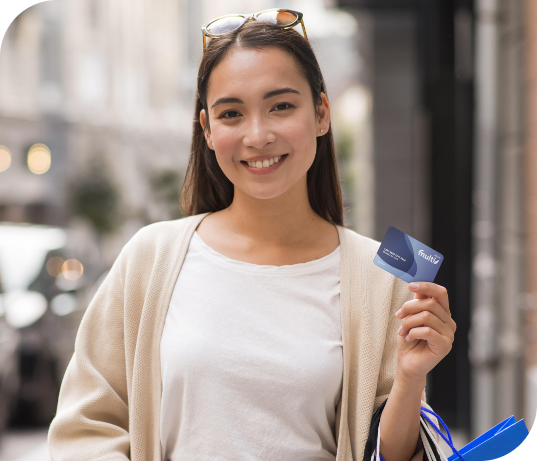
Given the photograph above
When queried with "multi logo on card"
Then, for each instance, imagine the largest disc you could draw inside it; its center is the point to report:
(407, 258)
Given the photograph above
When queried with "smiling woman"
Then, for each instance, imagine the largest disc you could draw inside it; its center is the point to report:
(289, 88)
(258, 328)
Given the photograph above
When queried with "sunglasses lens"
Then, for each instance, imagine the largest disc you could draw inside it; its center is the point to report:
(281, 18)
(225, 25)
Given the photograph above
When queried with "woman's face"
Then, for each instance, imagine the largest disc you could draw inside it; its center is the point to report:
(263, 121)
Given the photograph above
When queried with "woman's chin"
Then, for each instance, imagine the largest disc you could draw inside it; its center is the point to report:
(265, 192)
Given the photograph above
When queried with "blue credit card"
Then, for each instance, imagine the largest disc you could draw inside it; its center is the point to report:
(406, 258)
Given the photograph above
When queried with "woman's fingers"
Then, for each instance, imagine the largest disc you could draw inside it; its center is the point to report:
(437, 343)
(431, 290)
(426, 319)
(415, 306)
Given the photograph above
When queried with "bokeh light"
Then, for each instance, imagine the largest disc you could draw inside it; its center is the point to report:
(54, 266)
(5, 158)
(63, 304)
(72, 269)
(39, 158)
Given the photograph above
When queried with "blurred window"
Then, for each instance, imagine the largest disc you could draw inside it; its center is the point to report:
(35, 213)
(93, 6)
(51, 45)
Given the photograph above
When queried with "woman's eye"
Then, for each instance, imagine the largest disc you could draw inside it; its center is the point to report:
(282, 106)
(230, 114)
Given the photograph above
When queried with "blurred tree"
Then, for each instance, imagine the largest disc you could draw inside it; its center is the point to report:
(95, 198)
(165, 186)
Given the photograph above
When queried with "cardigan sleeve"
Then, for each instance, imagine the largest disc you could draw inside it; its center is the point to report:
(92, 417)
(400, 295)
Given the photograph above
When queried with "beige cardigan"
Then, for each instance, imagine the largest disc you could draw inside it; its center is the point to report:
(109, 404)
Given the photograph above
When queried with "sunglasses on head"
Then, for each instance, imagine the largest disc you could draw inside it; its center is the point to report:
(286, 19)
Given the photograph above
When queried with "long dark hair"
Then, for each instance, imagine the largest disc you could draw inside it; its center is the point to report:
(206, 187)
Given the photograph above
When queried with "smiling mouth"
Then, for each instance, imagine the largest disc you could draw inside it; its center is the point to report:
(265, 163)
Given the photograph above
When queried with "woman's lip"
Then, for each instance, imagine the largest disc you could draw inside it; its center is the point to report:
(267, 170)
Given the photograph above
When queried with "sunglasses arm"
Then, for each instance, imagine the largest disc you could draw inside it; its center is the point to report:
(304, 30)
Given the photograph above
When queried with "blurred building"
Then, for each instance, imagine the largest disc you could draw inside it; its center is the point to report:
(101, 86)
(530, 190)
(421, 77)
(453, 85)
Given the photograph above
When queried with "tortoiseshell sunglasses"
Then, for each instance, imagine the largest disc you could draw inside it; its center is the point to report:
(224, 24)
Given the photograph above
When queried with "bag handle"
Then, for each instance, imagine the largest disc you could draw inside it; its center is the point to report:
(435, 427)
(426, 445)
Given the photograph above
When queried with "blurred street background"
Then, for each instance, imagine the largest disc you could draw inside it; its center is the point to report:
(432, 107)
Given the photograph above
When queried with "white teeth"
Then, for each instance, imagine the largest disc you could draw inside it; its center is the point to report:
(265, 163)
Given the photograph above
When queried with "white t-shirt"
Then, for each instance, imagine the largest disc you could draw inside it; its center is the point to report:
(251, 360)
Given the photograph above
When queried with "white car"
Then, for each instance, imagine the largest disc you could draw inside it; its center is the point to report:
(44, 286)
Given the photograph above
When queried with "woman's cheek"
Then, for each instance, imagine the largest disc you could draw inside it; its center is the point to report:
(225, 142)
(298, 132)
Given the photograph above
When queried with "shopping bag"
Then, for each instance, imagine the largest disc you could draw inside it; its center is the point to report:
(496, 442)
(499, 441)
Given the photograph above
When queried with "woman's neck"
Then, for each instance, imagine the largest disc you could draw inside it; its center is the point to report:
(285, 220)
(279, 231)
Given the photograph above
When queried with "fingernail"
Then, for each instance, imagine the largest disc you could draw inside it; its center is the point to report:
(407, 337)
(413, 286)
(399, 330)
(398, 313)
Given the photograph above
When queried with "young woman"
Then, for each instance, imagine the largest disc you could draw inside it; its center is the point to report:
(258, 328)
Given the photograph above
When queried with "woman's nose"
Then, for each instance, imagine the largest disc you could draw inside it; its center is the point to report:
(258, 133)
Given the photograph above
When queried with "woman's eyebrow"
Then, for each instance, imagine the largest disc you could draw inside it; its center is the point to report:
(272, 93)
(227, 101)
(268, 95)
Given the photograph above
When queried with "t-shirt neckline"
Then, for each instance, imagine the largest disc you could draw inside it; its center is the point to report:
(299, 268)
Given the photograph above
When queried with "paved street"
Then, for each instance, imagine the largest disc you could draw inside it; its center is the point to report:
(24, 445)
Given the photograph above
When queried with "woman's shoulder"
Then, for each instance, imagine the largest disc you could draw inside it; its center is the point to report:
(161, 239)
(357, 244)
(163, 230)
